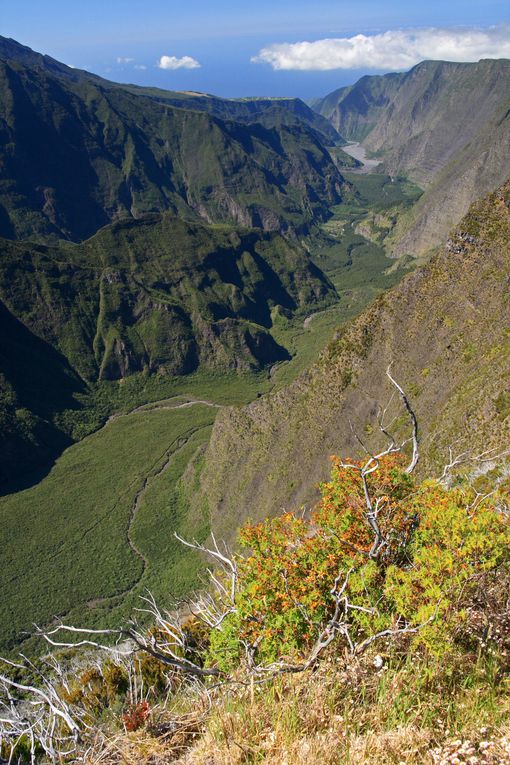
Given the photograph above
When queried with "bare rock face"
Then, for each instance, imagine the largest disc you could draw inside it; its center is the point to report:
(444, 125)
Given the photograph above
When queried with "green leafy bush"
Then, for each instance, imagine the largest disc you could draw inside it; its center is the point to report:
(438, 542)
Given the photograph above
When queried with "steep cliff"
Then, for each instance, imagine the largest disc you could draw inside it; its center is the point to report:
(444, 125)
(445, 328)
(79, 152)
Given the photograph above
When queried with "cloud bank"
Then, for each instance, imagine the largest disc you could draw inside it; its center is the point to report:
(392, 50)
(172, 62)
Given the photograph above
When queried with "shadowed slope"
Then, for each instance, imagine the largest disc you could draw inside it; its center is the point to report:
(79, 152)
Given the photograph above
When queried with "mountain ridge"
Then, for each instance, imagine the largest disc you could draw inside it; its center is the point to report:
(239, 109)
(134, 155)
(444, 125)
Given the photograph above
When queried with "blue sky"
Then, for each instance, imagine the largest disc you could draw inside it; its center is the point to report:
(209, 46)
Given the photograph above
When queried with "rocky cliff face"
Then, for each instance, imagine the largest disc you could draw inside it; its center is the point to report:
(445, 125)
(445, 328)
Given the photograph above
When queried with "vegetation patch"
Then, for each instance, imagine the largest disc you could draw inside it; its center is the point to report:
(65, 541)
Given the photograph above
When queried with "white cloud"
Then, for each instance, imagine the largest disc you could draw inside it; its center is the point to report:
(140, 66)
(392, 50)
(172, 62)
(124, 60)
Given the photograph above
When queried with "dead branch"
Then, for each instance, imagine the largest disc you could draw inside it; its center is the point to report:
(216, 602)
(338, 624)
(468, 457)
(39, 715)
(373, 507)
(414, 422)
(164, 644)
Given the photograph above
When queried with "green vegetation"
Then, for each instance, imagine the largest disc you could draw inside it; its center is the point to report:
(354, 258)
(444, 125)
(156, 296)
(65, 542)
(429, 572)
(90, 152)
(358, 268)
(408, 641)
(270, 112)
(202, 285)
(160, 294)
(258, 277)
(88, 490)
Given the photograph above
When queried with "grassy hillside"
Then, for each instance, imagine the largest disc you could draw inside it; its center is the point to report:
(160, 297)
(445, 329)
(269, 111)
(155, 296)
(80, 152)
(88, 532)
(92, 489)
(443, 124)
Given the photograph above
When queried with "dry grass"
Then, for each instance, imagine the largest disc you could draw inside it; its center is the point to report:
(163, 740)
(333, 716)
(332, 747)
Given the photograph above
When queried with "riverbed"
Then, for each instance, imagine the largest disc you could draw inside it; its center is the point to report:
(359, 152)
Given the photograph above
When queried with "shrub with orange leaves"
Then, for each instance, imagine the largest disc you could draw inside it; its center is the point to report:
(457, 543)
(434, 543)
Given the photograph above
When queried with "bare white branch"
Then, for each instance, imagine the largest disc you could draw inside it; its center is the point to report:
(414, 422)
(489, 456)
(38, 714)
(213, 606)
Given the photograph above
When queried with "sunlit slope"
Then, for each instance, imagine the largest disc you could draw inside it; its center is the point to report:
(85, 533)
(445, 125)
(444, 327)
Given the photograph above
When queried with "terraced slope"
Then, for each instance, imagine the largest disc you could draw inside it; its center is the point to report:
(444, 327)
